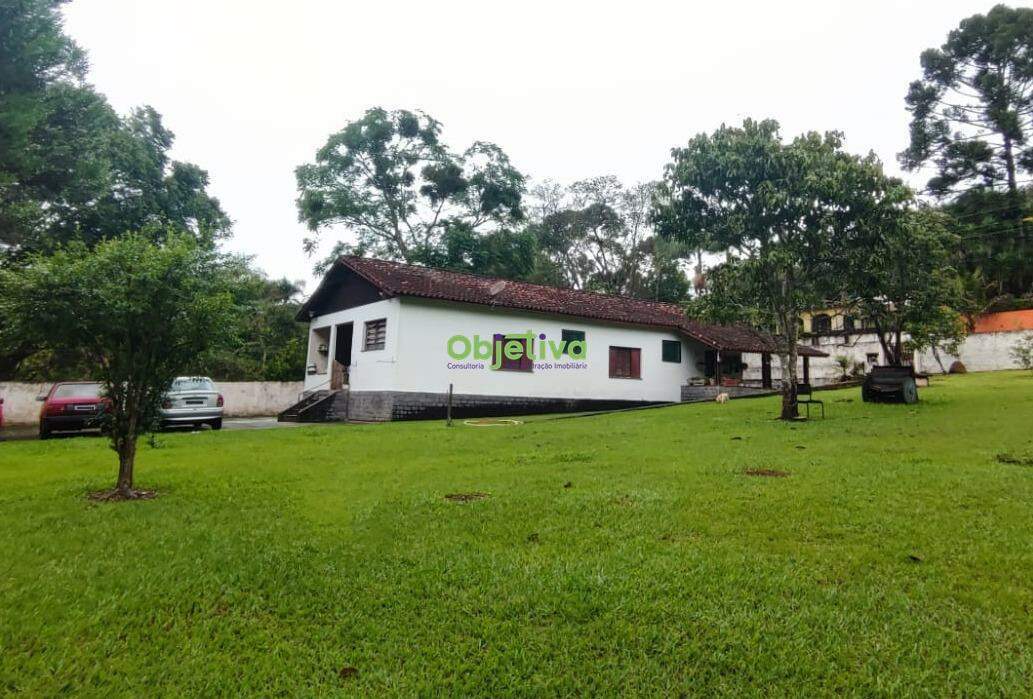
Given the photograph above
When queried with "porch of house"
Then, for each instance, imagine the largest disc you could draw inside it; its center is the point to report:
(725, 371)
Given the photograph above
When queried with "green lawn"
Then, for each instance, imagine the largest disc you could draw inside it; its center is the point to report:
(896, 558)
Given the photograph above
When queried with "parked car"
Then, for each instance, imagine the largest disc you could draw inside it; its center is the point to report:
(192, 400)
(72, 406)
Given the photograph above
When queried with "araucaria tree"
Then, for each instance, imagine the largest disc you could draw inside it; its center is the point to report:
(389, 180)
(140, 312)
(972, 121)
(776, 211)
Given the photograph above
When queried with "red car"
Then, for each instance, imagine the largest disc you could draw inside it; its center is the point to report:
(72, 406)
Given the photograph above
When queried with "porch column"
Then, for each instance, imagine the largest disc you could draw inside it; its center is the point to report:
(717, 367)
(806, 369)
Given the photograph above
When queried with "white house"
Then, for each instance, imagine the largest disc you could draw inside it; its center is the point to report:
(390, 341)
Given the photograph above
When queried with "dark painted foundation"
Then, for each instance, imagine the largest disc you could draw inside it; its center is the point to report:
(380, 406)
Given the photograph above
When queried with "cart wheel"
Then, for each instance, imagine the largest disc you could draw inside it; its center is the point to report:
(910, 391)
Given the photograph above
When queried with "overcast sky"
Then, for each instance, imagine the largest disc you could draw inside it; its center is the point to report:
(567, 89)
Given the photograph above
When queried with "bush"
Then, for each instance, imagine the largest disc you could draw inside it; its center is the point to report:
(1023, 352)
(957, 367)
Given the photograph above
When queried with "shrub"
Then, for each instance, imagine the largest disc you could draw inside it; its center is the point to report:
(957, 367)
(1023, 352)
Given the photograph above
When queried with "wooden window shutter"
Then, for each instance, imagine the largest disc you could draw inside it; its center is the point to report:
(527, 361)
(613, 361)
(636, 363)
(376, 334)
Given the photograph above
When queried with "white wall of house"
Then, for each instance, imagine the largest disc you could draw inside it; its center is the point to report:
(418, 345)
(369, 370)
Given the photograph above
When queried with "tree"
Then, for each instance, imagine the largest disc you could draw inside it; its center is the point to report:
(775, 210)
(972, 119)
(268, 344)
(70, 167)
(999, 258)
(1022, 352)
(596, 235)
(899, 273)
(389, 180)
(141, 312)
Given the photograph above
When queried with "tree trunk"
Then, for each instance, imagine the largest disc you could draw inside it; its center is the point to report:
(1009, 165)
(790, 408)
(885, 344)
(126, 459)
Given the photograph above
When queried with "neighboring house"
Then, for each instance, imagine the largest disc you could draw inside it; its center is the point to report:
(389, 340)
(839, 333)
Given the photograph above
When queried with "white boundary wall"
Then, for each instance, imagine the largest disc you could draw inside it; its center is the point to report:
(242, 398)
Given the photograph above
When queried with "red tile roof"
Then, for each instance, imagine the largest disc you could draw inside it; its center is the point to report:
(398, 279)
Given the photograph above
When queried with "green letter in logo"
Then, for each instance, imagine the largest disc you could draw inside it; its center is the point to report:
(463, 342)
(481, 348)
(576, 349)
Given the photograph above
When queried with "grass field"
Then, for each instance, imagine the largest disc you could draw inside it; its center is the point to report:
(627, 553)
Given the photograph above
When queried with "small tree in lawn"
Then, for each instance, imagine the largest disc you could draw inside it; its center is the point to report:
(775, 210)
(139, 312)
(900, 274)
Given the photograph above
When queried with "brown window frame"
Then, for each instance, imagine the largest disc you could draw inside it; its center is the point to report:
(523, 364)
(633, 364)
(379, 328)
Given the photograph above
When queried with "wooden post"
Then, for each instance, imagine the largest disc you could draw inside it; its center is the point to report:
(717, 367)
(449, 424)
(806, 369)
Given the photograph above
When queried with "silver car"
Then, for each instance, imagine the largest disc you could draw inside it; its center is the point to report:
(192, 400)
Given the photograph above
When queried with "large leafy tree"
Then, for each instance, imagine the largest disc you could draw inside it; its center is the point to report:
(972, 120)
(597, 235)
(388, 179)
(268, 344)
(140, 312)
(899, 272)
(70, 167)
(775, 210)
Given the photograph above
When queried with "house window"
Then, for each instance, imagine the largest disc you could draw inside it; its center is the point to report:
(672, 351)
(849, 324)
(625, 363)
(821, 324)
(376, 334)
(523, 362)
(569, 336)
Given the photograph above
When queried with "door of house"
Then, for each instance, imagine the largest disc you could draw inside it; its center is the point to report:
(342, 357)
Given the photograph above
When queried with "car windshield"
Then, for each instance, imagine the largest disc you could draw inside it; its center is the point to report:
(192, 383)
(78, 390)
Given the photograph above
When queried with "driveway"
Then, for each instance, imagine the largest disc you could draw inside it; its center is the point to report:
(11, 432)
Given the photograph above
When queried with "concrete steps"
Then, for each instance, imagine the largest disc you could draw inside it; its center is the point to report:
(318, 406)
